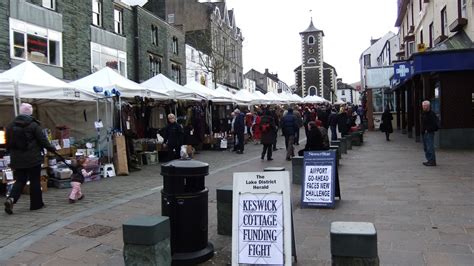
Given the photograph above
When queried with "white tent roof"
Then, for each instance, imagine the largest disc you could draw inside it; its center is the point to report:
(35, 83)
(286, 97)
(244, 96)
(313, 99)
(108, 79)
(261, 98)
(297, 98)
(7, 88)
(210, 94)
(162, 83)
(274, 98)
(222, 91)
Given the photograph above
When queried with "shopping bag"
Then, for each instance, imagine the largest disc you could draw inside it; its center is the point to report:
(223, 144)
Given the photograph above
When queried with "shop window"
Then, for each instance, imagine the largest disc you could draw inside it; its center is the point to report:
(118, 21)
(33, 43)
(102, 56)
(444, 21)
(176, 73)
(97, 13)
(155, 65)
(154, 35)
(175, 45)
(50, 4)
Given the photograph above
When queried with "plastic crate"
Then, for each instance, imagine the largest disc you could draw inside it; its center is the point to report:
(61, 183)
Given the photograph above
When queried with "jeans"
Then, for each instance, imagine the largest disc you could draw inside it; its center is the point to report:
(428, 146)
(21, 177)
(333, 133)
(76, 191)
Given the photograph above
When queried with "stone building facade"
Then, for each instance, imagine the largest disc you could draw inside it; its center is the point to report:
(72, 39)
(211, 29)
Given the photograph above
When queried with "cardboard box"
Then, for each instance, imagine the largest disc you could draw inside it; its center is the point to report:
(44, 186)
(120, 155)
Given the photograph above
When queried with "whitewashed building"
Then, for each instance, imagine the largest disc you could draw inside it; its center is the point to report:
(196, 68)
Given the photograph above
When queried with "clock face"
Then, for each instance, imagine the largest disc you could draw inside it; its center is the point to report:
(311, 51)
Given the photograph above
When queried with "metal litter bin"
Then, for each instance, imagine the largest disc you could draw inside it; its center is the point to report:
(184, 199)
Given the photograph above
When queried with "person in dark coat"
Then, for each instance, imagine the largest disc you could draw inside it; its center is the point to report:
(387, 123)
(268, 129)
(333, 124)
(173, 137)
(342, 122)
(429, 125)
(239, 129)
(289, 126)
(314, 141)
(25, 143)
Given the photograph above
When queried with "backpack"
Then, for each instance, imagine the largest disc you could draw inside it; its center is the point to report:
(16, 138)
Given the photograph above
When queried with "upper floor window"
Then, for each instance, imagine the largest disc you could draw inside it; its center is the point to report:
(51, 4)
(367, 60)
(118, 21)
(97, 12)
(431, 32)
(411, 48)
(311, 40)
(154, 35)
(175, 45)
(311, 61)
(343, 92)
(464, 8)
(102, 56)
(176, 73)
(36, 44)
(155, 65)
(444, 21)
(420, 5)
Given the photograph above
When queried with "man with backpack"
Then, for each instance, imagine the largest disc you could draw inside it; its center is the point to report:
(25, 143)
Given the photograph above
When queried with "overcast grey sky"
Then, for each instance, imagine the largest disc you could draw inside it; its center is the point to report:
(271, 31)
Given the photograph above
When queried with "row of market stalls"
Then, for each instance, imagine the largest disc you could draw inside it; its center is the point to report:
(95, 110)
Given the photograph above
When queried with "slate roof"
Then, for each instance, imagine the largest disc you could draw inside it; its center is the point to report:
(311, 28)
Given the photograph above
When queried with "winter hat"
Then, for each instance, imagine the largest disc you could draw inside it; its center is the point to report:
(26, 109)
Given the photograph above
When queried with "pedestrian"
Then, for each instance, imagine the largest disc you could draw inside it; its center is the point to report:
(267, 127)
(289, 127)
(333, 124)
(276, 118)
(77, 178)
(239, 129)
(342, 122)
(314, 141)
(324, 134)
(25, 143)
(257, 133)
(173, 138)
(299, 121)
(386, 125)
(429, 125)
(248, 123)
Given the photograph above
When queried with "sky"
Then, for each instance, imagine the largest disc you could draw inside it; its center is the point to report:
(271, 30)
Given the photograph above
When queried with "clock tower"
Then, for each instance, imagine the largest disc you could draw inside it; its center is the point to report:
(312, 64)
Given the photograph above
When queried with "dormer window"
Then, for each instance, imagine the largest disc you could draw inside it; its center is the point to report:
(311, 40)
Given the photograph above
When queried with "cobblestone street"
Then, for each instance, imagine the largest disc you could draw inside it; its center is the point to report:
(423, 215)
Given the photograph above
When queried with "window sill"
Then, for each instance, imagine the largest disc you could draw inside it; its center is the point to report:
(458, 24)
(409, 38)
(440, 39)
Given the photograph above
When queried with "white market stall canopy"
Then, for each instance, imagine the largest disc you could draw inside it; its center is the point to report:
(314, 99)
(222, 91)
(210, 94)
(275, 99)
(108, 79)
(245, 97)
(34, 83)
(297, 98)
(7, 88)
(175, 91)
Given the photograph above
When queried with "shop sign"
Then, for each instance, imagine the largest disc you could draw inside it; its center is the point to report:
(318, 186)
(71, 93)
(261, 218)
